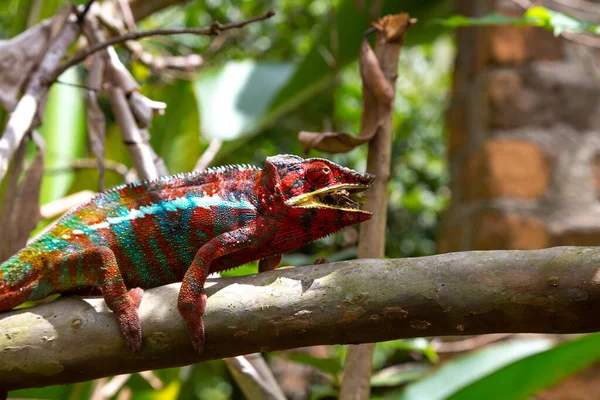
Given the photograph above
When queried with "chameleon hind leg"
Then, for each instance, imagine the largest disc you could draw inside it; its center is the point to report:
(100, 270)
(192, 296)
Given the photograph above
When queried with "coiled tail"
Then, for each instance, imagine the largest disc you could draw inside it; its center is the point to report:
(17, 282)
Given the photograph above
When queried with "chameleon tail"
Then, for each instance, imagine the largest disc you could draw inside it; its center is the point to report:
(16, 283)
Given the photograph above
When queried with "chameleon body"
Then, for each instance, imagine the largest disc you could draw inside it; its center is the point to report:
(182, 228)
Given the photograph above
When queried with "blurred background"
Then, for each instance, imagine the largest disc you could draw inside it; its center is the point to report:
(496, 146)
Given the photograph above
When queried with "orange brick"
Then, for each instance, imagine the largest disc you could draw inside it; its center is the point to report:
(450, 240)
(517, 45)
(577, 238)
(456, 126)
(493, 230)
(596, 173)
(501, 168)
(504, 85)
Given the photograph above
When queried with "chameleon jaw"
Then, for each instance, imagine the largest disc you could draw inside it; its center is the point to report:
(345, 197)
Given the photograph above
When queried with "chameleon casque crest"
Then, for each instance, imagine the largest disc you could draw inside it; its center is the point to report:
(182, 228)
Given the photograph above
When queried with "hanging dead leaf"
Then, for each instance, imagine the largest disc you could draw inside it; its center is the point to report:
(331, 142)
(21, 210)
(378, 89)
(20, 55)
(96, 122)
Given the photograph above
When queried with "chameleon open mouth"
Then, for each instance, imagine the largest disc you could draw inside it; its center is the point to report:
(344, 197)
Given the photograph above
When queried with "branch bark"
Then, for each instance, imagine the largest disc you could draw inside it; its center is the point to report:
(554, 290)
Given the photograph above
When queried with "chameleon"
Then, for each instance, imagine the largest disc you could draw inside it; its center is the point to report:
(181, 228)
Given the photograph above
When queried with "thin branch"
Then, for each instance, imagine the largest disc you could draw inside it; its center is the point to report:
(554, 290)
(60, 206)
(213, 30)
(209, 155)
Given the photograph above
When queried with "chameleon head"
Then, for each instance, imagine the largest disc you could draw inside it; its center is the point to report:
(321, 185)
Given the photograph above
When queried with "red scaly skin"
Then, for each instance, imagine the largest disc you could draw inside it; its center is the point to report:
(183, 228)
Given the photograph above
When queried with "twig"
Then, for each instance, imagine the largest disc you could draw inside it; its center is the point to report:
(61, 206)
(185, 63)
(209, 155)
(90, 163)
(213, 30)
(469, 344)
(137, 145)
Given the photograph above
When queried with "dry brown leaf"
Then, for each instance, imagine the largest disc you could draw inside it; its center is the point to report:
(21, 210)
(21, 54)
(96, 122)
(378, 91)
(331, 142)
(394, 26)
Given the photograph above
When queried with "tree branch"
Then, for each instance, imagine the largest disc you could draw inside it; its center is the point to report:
(213, 30)
(550, 291)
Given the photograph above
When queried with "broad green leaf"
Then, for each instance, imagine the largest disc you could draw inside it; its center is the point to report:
(64, 132)
(233, 99)
(458, 21)
(465, 371)
(523, 378)
(176, 134)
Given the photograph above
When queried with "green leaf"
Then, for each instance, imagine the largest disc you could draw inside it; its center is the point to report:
(465, 371)
(176, 134)
(63, 130)
(534, 16)
(232, 99)
(527, 376)
(459, 21)
(330, 365)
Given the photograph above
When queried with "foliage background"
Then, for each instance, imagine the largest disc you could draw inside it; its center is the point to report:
(260, 86)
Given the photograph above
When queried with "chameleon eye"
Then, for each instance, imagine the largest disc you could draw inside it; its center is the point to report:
(318, 174)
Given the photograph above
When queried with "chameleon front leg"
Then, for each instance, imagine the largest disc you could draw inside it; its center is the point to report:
(192, 296)
(102, 272)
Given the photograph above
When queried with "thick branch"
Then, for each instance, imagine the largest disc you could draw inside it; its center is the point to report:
(554, 290)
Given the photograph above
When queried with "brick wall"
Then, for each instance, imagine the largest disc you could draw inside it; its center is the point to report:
(524, 139)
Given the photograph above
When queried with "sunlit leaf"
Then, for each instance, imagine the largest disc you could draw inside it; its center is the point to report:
(462, 372)
(524, 377)
(64, 131)
(233, 99)
(176, 134)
